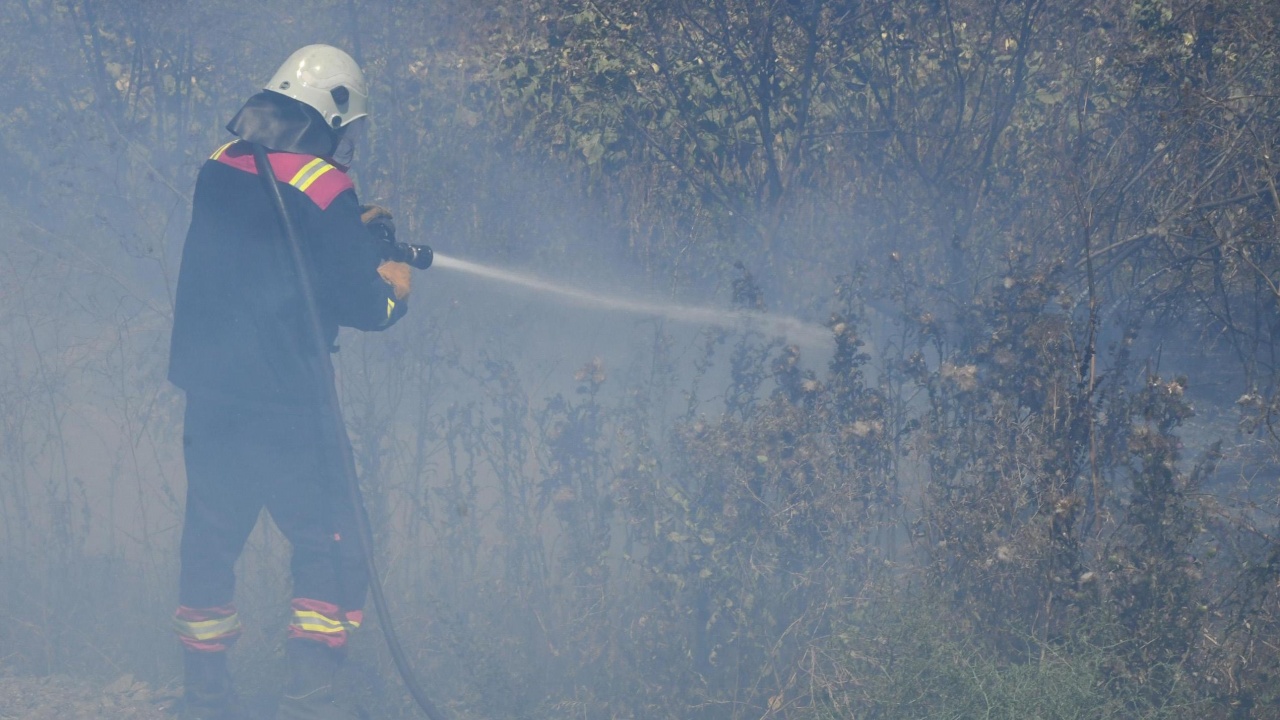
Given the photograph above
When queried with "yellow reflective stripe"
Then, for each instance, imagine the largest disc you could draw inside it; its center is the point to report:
(312, 621)
(207, 629)
(391, 307)
(307, 183)
(308, 174)
(218, 153)
(322, 629)
(304, 170)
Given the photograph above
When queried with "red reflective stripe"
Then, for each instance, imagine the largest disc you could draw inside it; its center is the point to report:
(336, 640)
(186, 615)
(328, 609)
(331, 612)
(322, 191)
(239, 157)
(190, 614)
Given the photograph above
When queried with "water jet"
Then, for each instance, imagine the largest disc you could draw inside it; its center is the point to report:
(800, 332)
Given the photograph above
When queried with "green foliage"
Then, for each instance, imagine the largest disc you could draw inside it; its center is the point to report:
(901, 660)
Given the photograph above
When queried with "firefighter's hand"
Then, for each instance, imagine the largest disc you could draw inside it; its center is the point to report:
(398, 276)
(378, 220)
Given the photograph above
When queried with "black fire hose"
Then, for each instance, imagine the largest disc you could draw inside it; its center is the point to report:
(413, 254)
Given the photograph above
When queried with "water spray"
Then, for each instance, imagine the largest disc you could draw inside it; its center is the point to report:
(802, 333)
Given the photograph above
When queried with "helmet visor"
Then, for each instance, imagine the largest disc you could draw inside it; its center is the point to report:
(350, 137)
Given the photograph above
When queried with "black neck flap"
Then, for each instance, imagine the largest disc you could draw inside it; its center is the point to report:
(283, 124)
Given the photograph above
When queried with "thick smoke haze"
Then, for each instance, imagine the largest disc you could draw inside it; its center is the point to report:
(800, 360)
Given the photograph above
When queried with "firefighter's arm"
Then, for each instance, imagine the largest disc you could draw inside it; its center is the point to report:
(360, 290)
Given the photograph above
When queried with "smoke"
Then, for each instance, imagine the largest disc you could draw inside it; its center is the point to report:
(601, 492)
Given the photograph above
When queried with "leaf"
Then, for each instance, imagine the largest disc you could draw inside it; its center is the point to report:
(1048, 97)
(591, 147)
(467, 117)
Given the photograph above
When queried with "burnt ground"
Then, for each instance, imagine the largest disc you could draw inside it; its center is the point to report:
(59, 697)
(64, 698)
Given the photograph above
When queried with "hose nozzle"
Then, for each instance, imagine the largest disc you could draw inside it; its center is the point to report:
(418, 256)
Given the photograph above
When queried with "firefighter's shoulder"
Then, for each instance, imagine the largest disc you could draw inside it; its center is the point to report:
(317, 178)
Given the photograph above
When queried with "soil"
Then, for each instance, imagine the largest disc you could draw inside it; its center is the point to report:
(63, 698)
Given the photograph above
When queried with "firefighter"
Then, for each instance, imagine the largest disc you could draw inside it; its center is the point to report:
(260, 427)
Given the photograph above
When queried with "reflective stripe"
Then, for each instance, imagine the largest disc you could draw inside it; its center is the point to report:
(308, 174)
(312, 621)
(307, 183)
(302, 171)
(391, 307)
(323, 622)
(207, 629)
(218, 153)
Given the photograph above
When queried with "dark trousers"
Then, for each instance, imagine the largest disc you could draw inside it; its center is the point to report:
(242, 457)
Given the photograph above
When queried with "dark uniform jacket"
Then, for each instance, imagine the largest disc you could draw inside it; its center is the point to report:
(241, 328)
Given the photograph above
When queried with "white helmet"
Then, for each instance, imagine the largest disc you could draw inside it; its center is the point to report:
(327, 79)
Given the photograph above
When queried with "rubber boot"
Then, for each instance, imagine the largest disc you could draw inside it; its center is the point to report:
(309, 694)
(206, 692)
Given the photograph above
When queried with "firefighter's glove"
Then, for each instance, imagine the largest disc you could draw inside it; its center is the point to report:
(378, 220)
(397, 275)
